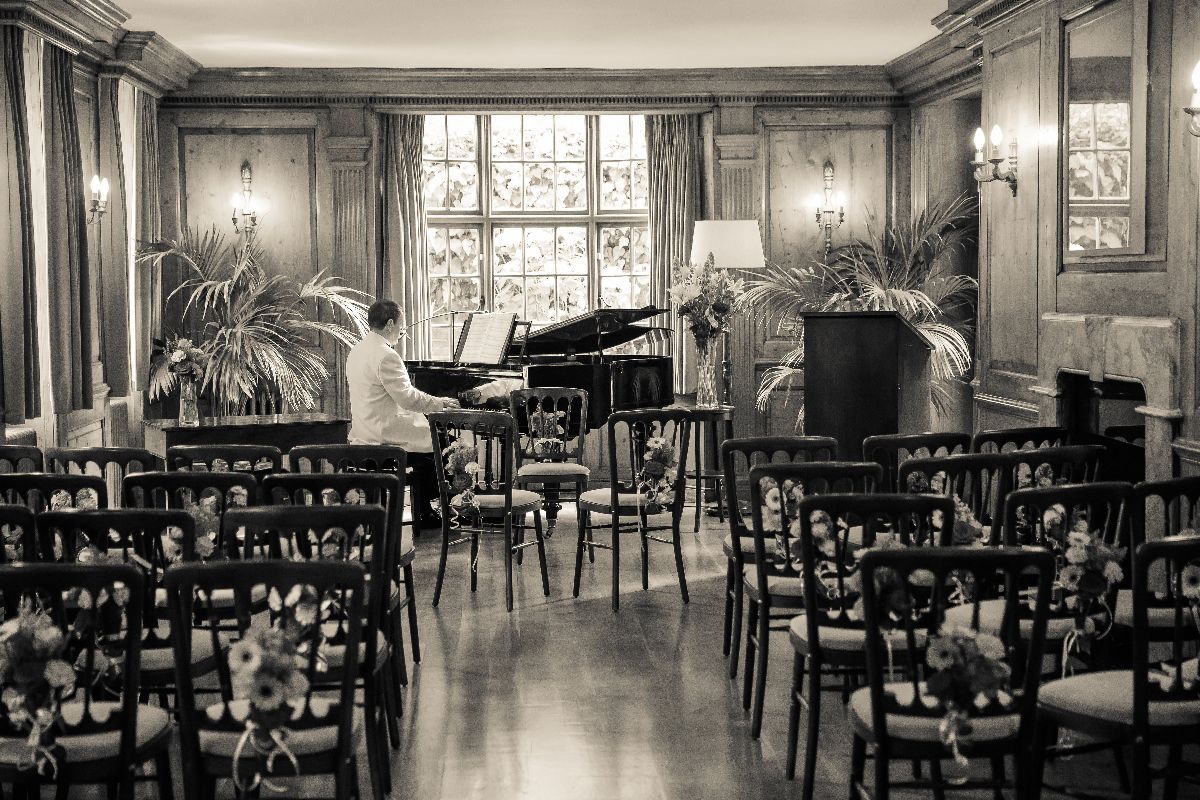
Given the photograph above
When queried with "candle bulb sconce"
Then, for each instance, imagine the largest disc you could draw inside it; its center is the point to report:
(245, 210)
(829, 212)
(1193, 110)
(99, 202)
(988, 169)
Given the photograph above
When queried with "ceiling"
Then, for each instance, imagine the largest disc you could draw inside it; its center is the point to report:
(612, 34)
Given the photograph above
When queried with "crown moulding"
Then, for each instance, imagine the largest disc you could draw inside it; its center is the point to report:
(91, 27)
(152, 61)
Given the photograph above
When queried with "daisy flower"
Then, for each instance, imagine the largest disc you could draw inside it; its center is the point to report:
(245, 655)
(941, 653)
(1070, 577)
(990, 646)
(772, 500)
(1113, 572)
(1077, 554)
(59, 674)
(1191, 581)
(266, 693)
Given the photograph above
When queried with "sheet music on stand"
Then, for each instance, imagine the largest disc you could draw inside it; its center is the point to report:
(485, 338)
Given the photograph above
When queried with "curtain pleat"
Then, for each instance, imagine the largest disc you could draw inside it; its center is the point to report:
(18, 318)
(404, 257)
(71, 292)
(147, 282)
(114, 273)
(674, 151)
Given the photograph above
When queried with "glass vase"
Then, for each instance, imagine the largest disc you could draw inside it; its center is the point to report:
(189, 410)
(707, 395)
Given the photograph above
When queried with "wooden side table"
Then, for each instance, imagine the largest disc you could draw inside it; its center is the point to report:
(711, 425)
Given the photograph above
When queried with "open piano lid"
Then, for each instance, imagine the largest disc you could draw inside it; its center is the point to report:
(588, 333)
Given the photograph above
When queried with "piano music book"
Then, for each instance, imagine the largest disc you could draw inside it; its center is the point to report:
(485, 338)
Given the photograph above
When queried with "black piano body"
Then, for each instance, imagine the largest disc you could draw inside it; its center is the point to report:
(572, 353)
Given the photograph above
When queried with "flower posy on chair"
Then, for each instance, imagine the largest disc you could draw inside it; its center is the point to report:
(706, 296)
(462, 471)
(968, 672)
(656, 481)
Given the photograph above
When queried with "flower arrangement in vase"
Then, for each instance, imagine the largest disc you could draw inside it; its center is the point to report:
(186, 362)
(967, 673)
(705, 296)
(462, 473)
(656, 478)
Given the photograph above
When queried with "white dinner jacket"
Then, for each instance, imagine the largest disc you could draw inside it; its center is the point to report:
(385, 408)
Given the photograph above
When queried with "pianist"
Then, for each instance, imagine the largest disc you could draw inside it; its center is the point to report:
(385, 408)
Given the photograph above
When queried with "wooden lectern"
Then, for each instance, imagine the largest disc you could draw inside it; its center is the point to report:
(865, 373)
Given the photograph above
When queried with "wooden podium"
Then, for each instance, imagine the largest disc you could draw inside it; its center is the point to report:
(865, 373)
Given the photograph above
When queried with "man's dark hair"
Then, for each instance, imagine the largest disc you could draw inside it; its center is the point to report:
(382, 312)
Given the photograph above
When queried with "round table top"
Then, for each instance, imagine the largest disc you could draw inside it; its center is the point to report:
(704, 413)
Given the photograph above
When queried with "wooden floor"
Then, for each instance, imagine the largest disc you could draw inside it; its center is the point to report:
(564, 700)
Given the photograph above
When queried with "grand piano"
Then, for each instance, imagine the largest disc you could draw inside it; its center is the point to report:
(570, 353)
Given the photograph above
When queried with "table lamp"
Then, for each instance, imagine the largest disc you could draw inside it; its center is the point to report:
(734, 244)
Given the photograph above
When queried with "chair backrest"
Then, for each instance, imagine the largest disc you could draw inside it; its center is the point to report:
(906, 593)
(19, 529)
(345, 488)
(356, 534)
(1169, 508)
(21, 458)
(659, 433)
(204, 495)
(111, 463)
(775, 493)
(348, 458)
(488, 438)
(1178, 559)
(151, 539)
(978, 480)
(256, 458)
(739, 456)
(552, 421)
(42, 491)
(1047, 466)
(1134, 434)
(891, 450)
(98, 610)
(312, 607)
(1030, 438)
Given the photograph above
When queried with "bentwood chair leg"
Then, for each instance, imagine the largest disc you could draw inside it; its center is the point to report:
(728, 620)
(162, 775)
(760, 679)
(391, 707)
(883, 775)
(616, 560)
(519, 537)
(508, 562)
(814, 730)
(858, 764)
(998, 777)
(1171, 781)
(793, 734)
(410, 591)
(699, 476)
(1122, 770)
(437, 586)
(683, 590)
(645, 553)
(735, 632)
(475, 558)
(398, 664)
(581, 523)
(580, 488)
(1143, 781)
(939, 781)
(541, 548)
(720, 498)
(748, 677)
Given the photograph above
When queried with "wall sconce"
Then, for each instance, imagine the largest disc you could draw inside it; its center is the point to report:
(99, 204)
(1194, 109)
(826, 208)
(984, 173)
(244, 206)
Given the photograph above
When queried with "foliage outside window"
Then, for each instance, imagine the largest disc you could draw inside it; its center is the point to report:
(543, 215)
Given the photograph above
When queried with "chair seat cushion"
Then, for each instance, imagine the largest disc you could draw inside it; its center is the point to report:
(777, 585)
(747, 546)
(553, 469)
(153, 726)
(917, 728)
(991, 614)
(1156, 617)
(335, 655)
(523, 500)
(849, 639)
(601, 500)
(1108, 696)
(222, 598)
(161, 657)
(301, 741)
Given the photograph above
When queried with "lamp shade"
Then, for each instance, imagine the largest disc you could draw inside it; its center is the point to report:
(734, 244)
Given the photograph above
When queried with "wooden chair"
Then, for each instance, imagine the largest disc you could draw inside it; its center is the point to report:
(324, 733)
(389, 460)
(45, 492)
(774, 588)
(21, 458)
(738, 456)
(500, 506)
(901, 719)
(342, 533)
(1030, 438)
(151, 539)
(1046, 466)
(19, 529)
(103, 736)
(892, 450)
(623, 498)
(825, 536)
(979, 480)
(205, 495)
(111, 463)
(361, 488)
(1140, 707)
(552, 422)
(260, 459)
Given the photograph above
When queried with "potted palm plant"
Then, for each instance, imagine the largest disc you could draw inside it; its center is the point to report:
(906, 267)
(257, 331)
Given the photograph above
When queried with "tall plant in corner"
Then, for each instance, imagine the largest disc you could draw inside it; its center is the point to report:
(256, 328)
(905, 267)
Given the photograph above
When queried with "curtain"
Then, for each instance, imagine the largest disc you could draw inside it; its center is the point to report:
(404, 258)
(147, 282)
(18, 319)
(114, 251)
(71, 293)
(674, 151)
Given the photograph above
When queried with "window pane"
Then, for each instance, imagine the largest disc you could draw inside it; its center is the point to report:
(433, 140)
(614, 136)
(540, 302)
(506, 187)
(637, 136)
(641, 291)
(463, 244)
(639, 237)
(572, 187)
(439, 295)
(539, 250)
(510, 296)
(507, 250)
(1112, 125)
(1112, 172)
(1081, 172)
(539, 137)
(615, 251)
(641, 185)
(437, 251)
(572, 251)
(1114, 232)
(570, 142)
(464, 294)
(435, 184)
(506, 137)
(614, 185)
(462, 135)
(463, 185)
(616, 292)
(572, 296)
(539, 187)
